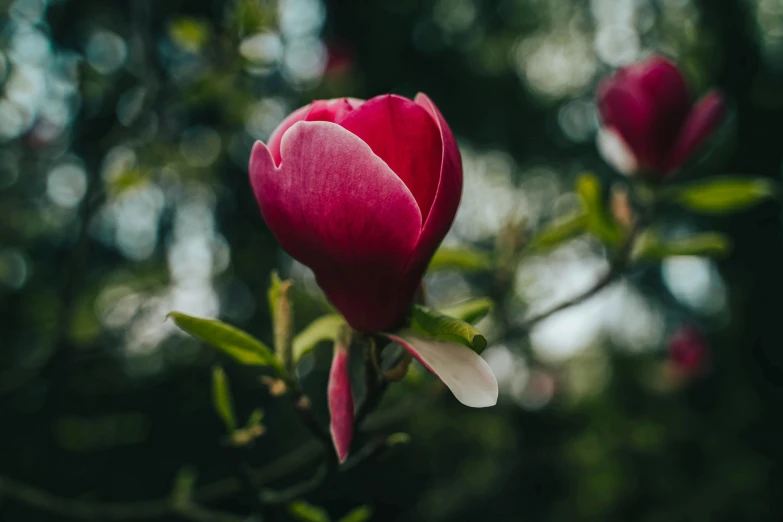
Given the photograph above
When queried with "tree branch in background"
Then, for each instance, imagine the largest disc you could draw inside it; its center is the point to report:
(26, 494)
(616, 269)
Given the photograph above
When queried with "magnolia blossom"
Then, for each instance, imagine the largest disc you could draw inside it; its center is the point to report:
(650, 124)
(363, 192)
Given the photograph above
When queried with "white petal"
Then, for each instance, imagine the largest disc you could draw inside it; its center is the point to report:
(467, 375)
(615, 151)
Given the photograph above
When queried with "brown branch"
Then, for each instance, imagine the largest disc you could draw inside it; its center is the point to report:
(616, 269)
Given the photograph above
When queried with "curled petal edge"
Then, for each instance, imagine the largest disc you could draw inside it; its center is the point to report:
(462, 370)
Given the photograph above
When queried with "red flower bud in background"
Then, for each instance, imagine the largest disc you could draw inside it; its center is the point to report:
(339, 59)
(362, 192)
(688, 350)
(649, 121)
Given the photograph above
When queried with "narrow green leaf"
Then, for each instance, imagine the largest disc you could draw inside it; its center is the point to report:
(711, 244)
(221, 399)
(274, 291)
(235, 343)
(560, 230)
(250, 432)
(324, 328)
(395, 439)
(282, 309)
(434, 324)
(359, 514)
(255, 418)
(183, 485)
(599, 221)
(460, 258)
(306, 512)
(189, 34)
(722, 195)
(470, 311)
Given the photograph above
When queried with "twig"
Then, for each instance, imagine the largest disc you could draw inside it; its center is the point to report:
(372, 449)
(616, 268)
(375, 384)
(159, 508)
(109, 511)
(309, 485)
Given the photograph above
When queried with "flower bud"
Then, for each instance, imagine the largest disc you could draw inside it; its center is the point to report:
(650, 124)
(362, 192)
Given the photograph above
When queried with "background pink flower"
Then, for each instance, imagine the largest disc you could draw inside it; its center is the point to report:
(650, 123)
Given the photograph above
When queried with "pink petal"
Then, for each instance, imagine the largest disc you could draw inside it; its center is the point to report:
(616, 152)
(447, 198)
(449, 192)
(701, 123)
(646, 103)
(273, 143)
(333, 110)
(340, 400)
(466, 374)
(338, 208)
(666, 87)
(321, 110)
(405, 136)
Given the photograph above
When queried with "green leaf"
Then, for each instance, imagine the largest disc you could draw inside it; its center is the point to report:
(273, 293)
(599, 221)
(560, 230)
(722, 195)
(460, 258)
(710, 244)
(184, 483)
(470, 311)
(189, 34)
(359, 514)
(395, 439)
(235, 343)
(305, 512)
(252, 16)
(250, 432)
(434, 324)
(221, 399)
(324, 328)
(255, 418)
(282, 310)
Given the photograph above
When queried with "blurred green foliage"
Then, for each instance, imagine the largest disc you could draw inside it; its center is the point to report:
(126, 127)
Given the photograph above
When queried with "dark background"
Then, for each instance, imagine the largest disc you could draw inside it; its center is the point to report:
(126, 128)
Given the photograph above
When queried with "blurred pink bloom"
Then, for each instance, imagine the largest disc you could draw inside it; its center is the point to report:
(362, 192)
(688, 350)
(339, 58)
(650, 123)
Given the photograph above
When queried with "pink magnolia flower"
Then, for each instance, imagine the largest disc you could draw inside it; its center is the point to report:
(688, 350)
(650, 123)
(362, 192)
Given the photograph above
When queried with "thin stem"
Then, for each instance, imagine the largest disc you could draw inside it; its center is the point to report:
(372, 449)
(153, 509)
(114, 511)
(375, 384)
(616, 269)
(309, 485)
